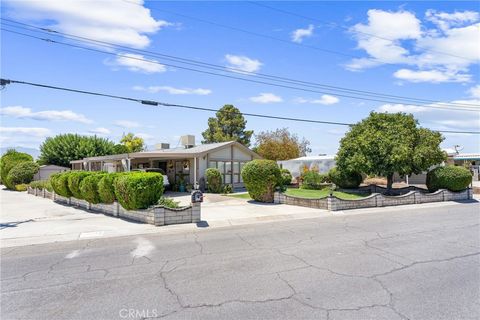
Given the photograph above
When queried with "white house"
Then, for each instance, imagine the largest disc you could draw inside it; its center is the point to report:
(46, 171)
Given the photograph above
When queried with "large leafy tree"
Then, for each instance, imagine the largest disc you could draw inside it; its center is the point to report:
(280, 144)
(384, 143)
(63, 148)
(132, 143)
(229, 124)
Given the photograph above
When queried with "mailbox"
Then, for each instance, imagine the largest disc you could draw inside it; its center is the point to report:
(197, 196)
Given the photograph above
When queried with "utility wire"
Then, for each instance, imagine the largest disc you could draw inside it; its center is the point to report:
(336, 25)
(230, 76)
(231, 70)
(4, 82)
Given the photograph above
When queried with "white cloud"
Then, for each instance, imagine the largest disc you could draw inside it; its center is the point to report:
(266, 98)
(138, 63)
(325, 99)
(127, 124)
(399, 107)
(28, 131)
(300, 34)
(440, 54)
(100, 131)
(243, 63)
(475, 91)
(47, 115)
(434, 76)
(175, 91)
(120, 22)
(148, 138)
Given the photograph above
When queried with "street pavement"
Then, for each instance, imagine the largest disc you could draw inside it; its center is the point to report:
(413, 263)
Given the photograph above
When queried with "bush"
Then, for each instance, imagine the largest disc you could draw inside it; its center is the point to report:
(59, 183)
(168, 203)
(286, 177)
(106, 191)
(74, 180)
(138, 190)
(9, 160)
(89, 187)
(21, 187)
(39, 184)
(214, 180)
(343, 179)
(260, 178)
(21, 173)
(449, 177)
(314, 180)
(48, 185)
(227, 188)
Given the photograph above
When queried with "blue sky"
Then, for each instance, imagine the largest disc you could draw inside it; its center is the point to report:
(432, 52)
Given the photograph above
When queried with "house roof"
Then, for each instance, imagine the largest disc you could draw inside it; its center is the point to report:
(467, 156)
(196, 151)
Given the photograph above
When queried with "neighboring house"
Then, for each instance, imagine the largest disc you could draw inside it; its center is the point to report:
(47, 170)
(322, 163)
(189, 161)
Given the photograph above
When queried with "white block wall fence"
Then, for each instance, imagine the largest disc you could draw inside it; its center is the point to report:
(156, 215)
(333, 203)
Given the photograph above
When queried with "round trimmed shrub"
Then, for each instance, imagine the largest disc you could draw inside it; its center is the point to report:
(314, 180)
(59, 183)
(9, 160)
(138, 190)
(286, 177)
(74, 180)
(344, 179)
(21, 187)
(106, 191)
(21, 173)
(452, 178)
(260, 178)
(89, 187)
(214, 180)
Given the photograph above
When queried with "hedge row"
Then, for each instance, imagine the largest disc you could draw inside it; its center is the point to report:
(133, 190)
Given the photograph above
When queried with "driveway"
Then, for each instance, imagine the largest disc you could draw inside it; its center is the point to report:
(414, 263)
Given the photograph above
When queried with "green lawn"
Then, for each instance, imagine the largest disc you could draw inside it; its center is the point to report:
(317, 194)
(239, 195)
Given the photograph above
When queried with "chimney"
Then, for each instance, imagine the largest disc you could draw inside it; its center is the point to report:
(162, 146)
(188, 141)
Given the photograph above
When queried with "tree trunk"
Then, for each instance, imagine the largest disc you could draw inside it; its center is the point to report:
(389, 183)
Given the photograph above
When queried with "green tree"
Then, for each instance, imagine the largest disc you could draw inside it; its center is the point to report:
(228, 125)
(63, 148)
(132, 143)
(280, 145)
(384, 143)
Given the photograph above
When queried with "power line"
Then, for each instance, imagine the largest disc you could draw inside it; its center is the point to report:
(336, 25)
(4, 82)
(234, 77)
(234, 70)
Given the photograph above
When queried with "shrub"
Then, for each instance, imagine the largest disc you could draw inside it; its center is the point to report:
(59, 183)
(227, 188)
(21, 173)
(138, 190)
(74, 180)
(214, 180)
(48, 185)
(449, 177)
(89, 187)
(39, 184)
(9, 160)
(168, 203)
(314, 180)
(21, 187)
(344, 179)
(286, 177)
(106, 191)
(260, 178)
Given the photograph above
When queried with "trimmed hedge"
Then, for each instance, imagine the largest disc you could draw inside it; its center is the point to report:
(59, 183)
(74, 180)
(89, 187)
(314, 180)
(214, 180)
(260, 178)
(38, 184)
(343, 179)
(21, 173)
(286, 177)
(138, 190)
(452, 178)
(9, 160)
(106, 190)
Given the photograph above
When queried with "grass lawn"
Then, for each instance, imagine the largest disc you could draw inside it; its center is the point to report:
(317, 194)
(239, 195)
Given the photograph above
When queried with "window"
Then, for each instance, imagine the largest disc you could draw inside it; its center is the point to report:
(212, 164)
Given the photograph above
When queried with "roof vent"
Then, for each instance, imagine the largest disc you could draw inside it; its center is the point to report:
(188, 141)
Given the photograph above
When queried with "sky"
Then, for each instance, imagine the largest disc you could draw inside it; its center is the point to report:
(427, 50)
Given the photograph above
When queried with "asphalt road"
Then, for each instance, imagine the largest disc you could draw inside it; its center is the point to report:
(397, 264)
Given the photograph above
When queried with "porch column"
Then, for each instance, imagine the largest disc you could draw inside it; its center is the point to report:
(195, 173)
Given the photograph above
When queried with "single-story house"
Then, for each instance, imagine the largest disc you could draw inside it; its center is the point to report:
(188, 162)
(47, 170)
